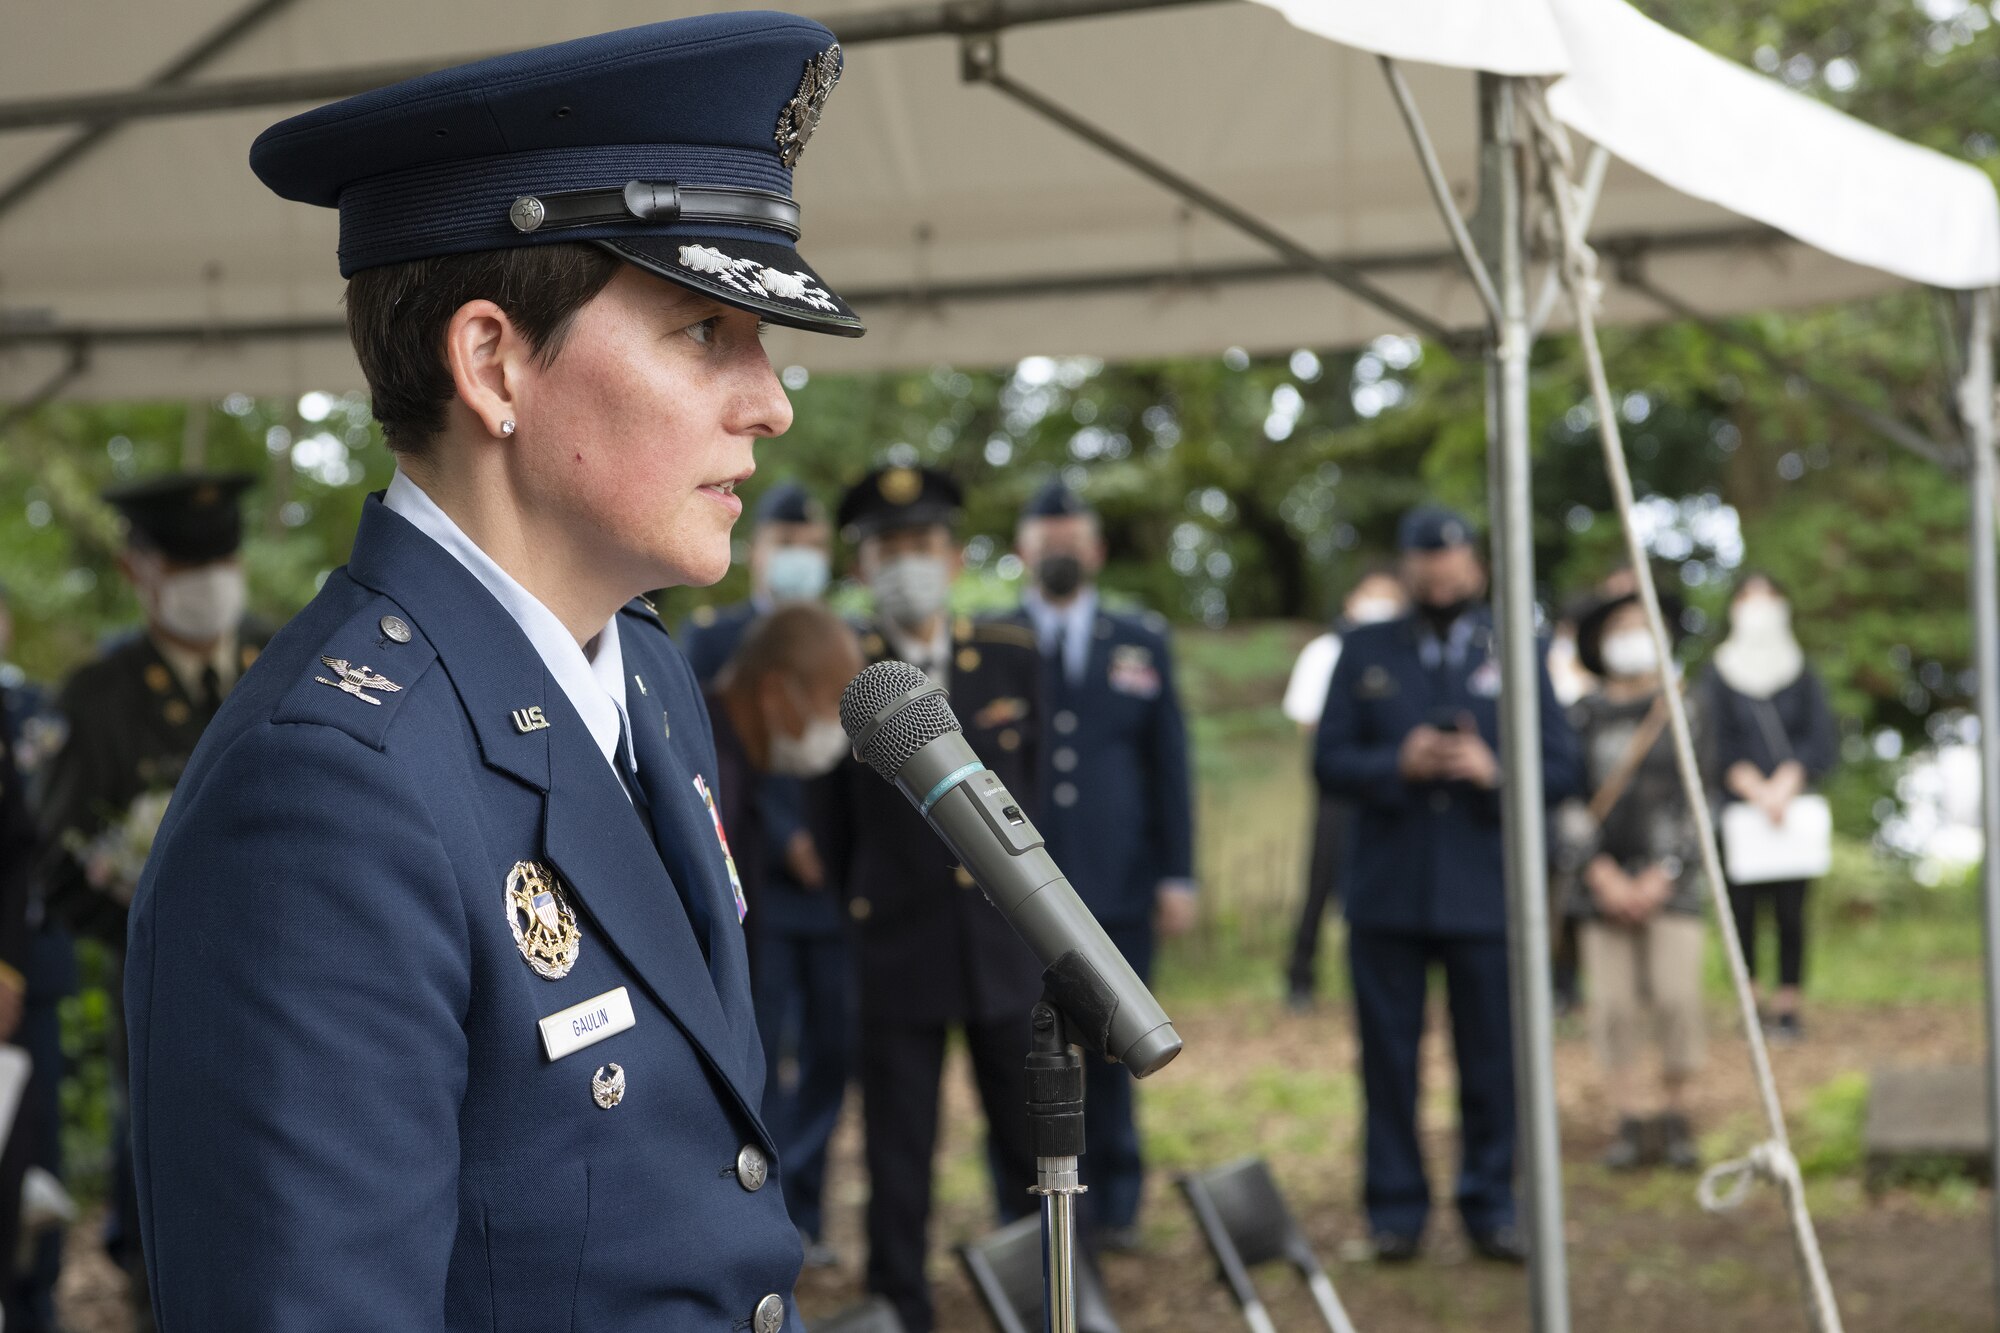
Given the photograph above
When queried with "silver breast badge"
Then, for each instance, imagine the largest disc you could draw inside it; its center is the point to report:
(543, 923)
(607, 1086)
(355, 679)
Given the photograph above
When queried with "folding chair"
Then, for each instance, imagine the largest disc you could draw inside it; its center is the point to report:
(1246, 1223)
(872, 1316)
(1006, 1271)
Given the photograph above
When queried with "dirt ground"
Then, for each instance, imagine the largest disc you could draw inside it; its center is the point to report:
(1643, 1257)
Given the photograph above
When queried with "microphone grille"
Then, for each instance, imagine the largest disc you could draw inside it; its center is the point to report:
(905, 731)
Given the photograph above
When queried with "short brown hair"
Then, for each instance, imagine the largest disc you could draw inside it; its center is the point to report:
(397, 315)
(796, 640)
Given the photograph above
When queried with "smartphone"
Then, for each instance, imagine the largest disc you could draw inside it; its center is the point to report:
(1444, 719)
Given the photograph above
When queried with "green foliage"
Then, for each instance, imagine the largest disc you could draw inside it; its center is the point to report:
(1829, 1140)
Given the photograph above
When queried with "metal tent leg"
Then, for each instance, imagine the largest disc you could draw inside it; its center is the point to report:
(1502, 137)
(1976, 412)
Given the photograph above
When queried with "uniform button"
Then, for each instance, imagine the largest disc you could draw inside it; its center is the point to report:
(751, 1168)
(968, 659)
(1009, 739)
(770, 1315)
(1440, 801)
(1065, 760)
(1065, 722)
(1065, 794)
(964, 878)
(395, 627)
(859, 909)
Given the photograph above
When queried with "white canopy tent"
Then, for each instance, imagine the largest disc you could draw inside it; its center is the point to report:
(967, 229)
(1125, 185)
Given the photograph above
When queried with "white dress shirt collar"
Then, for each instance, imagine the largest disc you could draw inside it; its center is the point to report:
(594, 681)
(1071, 622)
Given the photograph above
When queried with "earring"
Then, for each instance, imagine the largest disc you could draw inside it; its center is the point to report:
(507, 426)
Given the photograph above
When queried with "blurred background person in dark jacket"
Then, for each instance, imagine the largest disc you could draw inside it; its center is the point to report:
(1775, 739)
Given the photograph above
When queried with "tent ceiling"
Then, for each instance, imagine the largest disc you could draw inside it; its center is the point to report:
(968, 229)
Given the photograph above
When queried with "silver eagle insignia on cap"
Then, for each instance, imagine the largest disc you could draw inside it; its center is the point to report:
(543, 922)
(800, 116)
(355, 679)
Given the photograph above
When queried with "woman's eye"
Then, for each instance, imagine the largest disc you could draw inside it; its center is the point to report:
(704, 331)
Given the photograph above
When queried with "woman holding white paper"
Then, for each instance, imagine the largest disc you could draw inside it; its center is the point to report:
(1775, 740)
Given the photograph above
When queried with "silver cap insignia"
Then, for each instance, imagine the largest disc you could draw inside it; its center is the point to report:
(800, 116)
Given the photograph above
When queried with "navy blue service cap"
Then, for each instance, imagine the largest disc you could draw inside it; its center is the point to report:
(1434, 528)
(891, 498)
(191, 517)
(789, 502)
(1054, 500)
(670, 145)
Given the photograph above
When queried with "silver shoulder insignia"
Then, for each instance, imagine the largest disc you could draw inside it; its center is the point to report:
(355, 679)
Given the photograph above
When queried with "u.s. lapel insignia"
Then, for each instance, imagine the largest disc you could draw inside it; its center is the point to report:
(607, 1086)
(543, 923)
(530, 719)
(800, 116)
(722, 839)
(355, 679)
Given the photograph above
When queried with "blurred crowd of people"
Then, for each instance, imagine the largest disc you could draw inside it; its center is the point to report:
(869, 949)
(1401, 697)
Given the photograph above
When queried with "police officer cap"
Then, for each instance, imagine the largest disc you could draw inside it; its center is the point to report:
(1054, 500)
(890, 498)
(670, 145)
(187, 516)
(1434, 528)
(789, 502)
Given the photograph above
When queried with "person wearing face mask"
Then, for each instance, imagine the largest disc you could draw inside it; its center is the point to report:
(134, 717)
(1117, 810)
(1410, 735)
(1775, 740)
(1638, 892)
(789, 562)
(1376, 596)
(933, 955)
(775, 705)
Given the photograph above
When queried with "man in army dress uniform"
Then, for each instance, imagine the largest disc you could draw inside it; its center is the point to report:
(440, 1013)
(1116, 807)
(933, 953)
(134, 717)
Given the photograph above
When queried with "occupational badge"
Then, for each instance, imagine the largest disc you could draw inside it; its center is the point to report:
(722, 839)
(356, 680)
(607, 1086)
(543, 923)
(800, 116)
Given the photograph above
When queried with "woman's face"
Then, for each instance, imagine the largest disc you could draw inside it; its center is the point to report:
(1761, 600)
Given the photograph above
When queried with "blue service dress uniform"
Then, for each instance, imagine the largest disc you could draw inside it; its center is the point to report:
(933, 954)
(1426, 884)
(801, 971)
(1117, 817)
(344, 1114)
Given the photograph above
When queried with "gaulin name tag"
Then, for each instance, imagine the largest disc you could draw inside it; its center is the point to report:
(586, 1024)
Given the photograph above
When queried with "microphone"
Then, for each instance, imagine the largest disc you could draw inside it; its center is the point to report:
(902, 727)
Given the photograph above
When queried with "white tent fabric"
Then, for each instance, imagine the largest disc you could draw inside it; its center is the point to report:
(966, 229)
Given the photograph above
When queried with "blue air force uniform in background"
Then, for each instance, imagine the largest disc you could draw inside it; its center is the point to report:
(801, 975)
(1115, 813)
(440, 1009)
(1426, 884)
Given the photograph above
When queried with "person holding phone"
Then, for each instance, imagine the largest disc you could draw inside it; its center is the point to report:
(1410, 735)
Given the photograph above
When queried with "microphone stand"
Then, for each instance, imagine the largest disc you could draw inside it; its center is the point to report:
(1055, 1127)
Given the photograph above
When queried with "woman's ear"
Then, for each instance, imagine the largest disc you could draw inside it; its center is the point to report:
(489, 359)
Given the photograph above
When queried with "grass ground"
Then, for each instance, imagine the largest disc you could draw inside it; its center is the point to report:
(1894, 981)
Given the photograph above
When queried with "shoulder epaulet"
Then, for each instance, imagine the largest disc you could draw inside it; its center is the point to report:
(1003, 631)
(360, 679)
(642, 608)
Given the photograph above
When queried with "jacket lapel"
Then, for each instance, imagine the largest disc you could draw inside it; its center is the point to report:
(590, 830)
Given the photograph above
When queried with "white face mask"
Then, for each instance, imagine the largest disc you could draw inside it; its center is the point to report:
(795, 573)
(1761, 618)
(199, 605)
(812, 753)
(912, 588)
(1629, 653)
(1373, 610)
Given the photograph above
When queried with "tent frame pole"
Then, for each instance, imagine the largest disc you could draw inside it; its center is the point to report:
(1502, 132)
(1976, 412)
(980, 63)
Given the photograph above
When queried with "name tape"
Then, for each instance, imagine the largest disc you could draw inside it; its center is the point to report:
(570, 1030)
